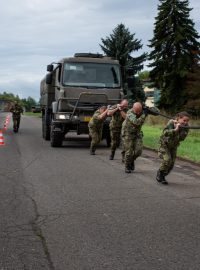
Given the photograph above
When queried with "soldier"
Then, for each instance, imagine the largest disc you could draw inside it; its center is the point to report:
(96, 127)
(132, 136)
(169, 142)
(118, 113)
(16, 110)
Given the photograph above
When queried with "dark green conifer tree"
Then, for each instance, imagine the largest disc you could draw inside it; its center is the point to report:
(120, 45)
(173, 45)
(193, 91)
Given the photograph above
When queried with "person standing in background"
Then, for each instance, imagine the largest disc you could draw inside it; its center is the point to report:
(16, 111)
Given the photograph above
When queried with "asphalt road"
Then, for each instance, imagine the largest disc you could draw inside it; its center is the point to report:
(62, 209)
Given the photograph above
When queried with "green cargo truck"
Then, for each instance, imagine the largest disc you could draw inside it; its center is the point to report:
(73, 89)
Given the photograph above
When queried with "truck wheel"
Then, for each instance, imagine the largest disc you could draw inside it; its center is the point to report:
(45, 130)
(56, 139)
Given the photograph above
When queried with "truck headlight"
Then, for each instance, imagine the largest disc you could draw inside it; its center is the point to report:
(62, 116)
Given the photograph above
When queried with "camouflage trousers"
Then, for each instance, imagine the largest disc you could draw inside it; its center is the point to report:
(115, 135)
(96, 136)
(131, 148)
(16, 122)
(168, 156)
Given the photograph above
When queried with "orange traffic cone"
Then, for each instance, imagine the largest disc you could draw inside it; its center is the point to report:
(6, 123)
(1, 139)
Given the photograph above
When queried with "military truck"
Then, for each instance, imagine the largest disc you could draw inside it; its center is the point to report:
(73, 89)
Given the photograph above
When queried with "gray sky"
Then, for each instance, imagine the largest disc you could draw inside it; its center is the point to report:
(34, 33)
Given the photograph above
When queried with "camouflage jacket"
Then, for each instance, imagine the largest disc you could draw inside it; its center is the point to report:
(95, 122)
(16, 110)
(172, 138)
(132, 124)
(117, 119)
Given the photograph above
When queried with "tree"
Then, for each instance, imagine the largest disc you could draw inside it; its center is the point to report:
(7, 99)
(28, 103)
(136, 91)
(120, 44)
(144, 75)
(193, 90)
(172, 57)
(8, 96)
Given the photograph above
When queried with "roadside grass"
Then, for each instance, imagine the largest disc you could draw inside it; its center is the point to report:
(33, 114)
(189, 149)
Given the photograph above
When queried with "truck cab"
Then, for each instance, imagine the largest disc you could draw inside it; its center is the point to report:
(73, 89)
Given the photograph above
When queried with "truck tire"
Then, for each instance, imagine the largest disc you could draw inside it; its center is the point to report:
(45, 131)
(45, 126)
(56, 139)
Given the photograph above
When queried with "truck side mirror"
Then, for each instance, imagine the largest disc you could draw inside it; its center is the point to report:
(49, 78)
(50, 68)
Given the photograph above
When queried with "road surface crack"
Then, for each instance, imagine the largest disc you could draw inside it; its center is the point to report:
(38, 232)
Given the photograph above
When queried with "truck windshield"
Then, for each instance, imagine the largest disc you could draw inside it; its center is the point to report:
(91, 75)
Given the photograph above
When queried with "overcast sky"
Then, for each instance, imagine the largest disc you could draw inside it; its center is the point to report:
(34, 33)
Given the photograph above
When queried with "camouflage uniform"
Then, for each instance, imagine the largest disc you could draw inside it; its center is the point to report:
(95, 130)
(115, 128)
(168, 144)
(132, 137)
(16, 115)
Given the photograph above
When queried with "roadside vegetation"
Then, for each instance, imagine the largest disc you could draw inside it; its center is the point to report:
(9, 98)
(37, 114)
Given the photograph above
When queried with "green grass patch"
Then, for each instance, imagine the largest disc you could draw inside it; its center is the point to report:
(33, 114)
(190, 148)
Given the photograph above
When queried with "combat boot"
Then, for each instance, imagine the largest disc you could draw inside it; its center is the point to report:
(112, 155)
(160, 177)
(92, 150)
(127, 169)
(132, 166)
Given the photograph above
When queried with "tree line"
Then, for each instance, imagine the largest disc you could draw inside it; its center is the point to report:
(26, 103)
